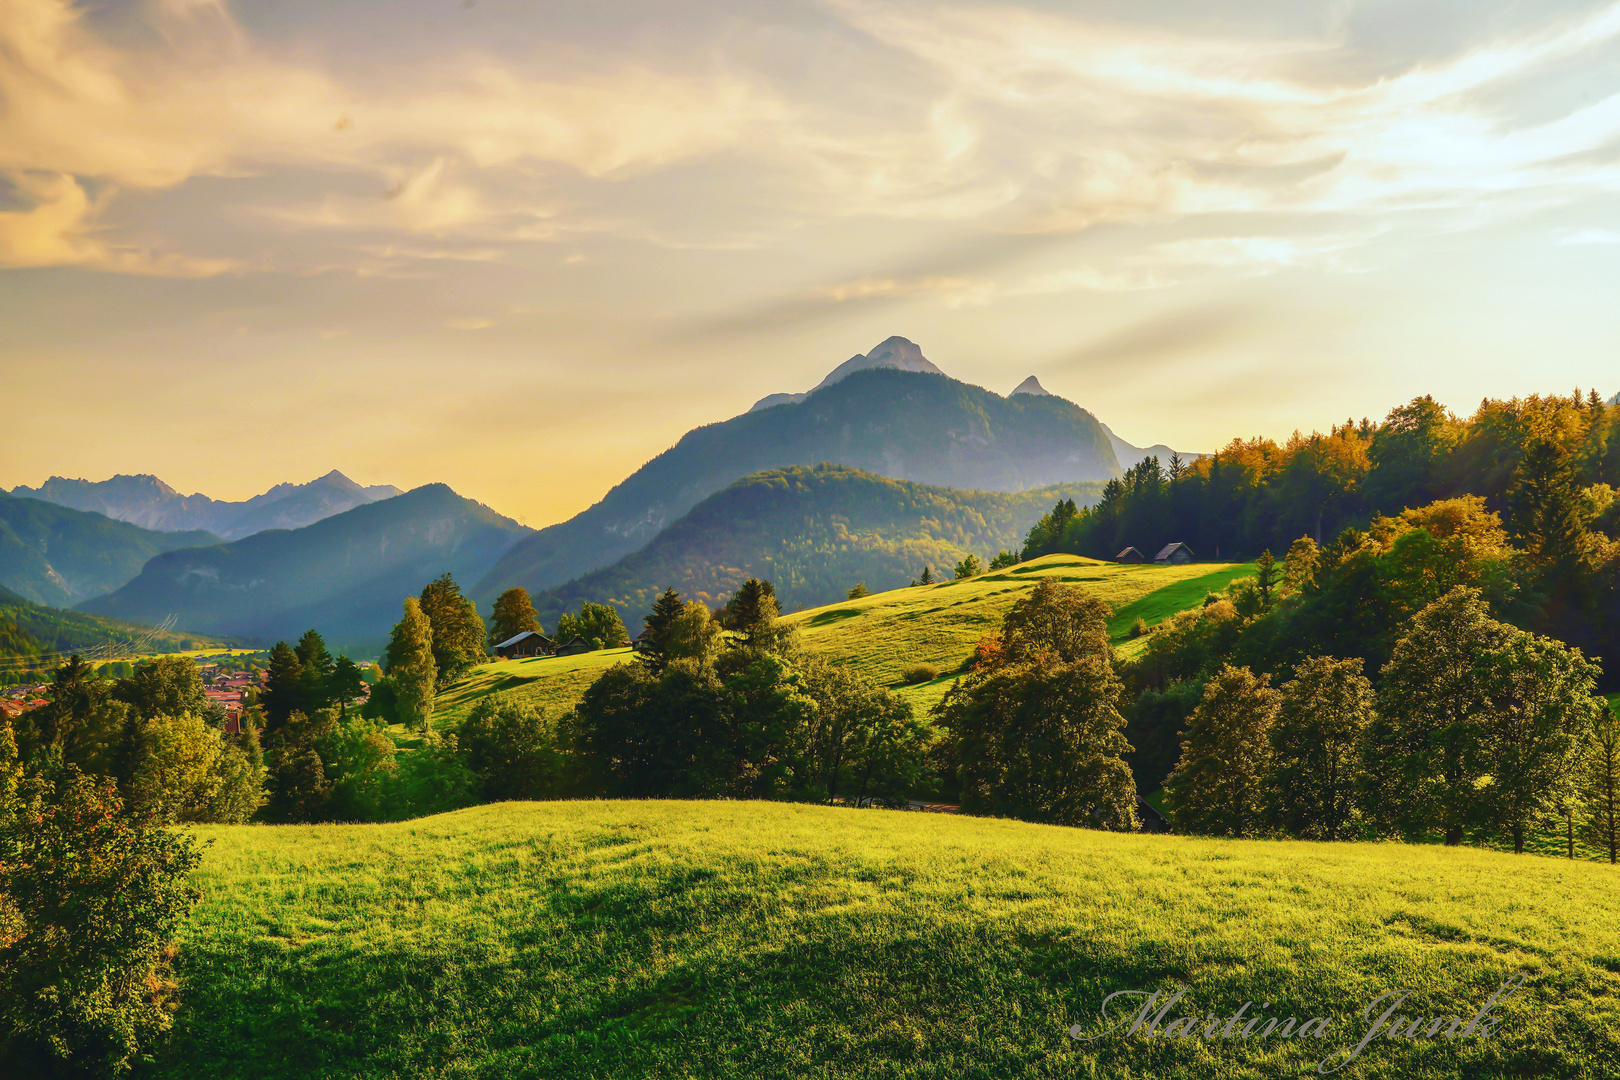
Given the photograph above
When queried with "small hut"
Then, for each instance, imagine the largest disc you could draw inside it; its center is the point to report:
(1174, 555)
(1130, 554)
(572, 647)
(524, 645)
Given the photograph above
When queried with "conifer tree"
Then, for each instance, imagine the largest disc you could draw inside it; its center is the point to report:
(283, 686)
(652, 647)
(410, 665)
(1600, 787)
(1218, 786)
(458, 631)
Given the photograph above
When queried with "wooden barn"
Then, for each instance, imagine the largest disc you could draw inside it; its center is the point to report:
(572, 647)
(524, 645)
(1175, 554)
(1130, 554)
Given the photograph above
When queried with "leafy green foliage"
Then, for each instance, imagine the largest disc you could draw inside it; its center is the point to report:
(1316, 740)
(89, 900)
(597, 625)
(410, 667)
(516, 751)
(456, 630)
(1218, 787)
(1034, 731)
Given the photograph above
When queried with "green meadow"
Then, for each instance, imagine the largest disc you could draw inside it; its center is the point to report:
(739, 939)
(882, 634)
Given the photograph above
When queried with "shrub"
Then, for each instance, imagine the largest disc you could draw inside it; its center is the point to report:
(919, 673)
(89, 899)
(514, 750)
(1140, 627)
(857, 591)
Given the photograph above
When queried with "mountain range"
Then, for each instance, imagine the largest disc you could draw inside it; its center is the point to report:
(813, 532)
(345, 575)
(57, 556)
(892, 417)
(146, 501)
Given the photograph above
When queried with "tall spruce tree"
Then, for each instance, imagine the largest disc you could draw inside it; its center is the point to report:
(411, 667)
(652, 647)
(283, 692)
(1600, 787)
(315, 665)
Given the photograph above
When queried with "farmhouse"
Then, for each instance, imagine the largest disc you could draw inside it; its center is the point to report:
(1130, 554)
(523, 645)
(1175, 554)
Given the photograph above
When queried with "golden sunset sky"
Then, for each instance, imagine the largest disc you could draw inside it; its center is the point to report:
(521, 246)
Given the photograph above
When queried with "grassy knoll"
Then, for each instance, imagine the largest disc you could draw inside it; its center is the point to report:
(676, 939)
(886, 632)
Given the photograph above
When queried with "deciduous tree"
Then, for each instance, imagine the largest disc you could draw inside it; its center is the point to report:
(411, 666)
(1315, 779)
(1218, 786)
(512, 615)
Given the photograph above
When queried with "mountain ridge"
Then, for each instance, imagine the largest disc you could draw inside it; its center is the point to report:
(908, 425)
(145, 500)
(345, 575)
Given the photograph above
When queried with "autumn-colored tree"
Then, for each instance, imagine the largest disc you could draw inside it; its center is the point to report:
(512, 615)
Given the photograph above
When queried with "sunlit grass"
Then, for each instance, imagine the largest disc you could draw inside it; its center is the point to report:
(676, 939)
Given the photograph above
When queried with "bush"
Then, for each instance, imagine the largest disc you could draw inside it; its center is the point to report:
(1140, 627)
(89, 899)
(919, 673)
(514, 750)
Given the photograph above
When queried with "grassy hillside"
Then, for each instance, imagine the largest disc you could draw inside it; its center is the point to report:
(692, 939)
(814, 532)
(345, 575)
(907, 424)
(885, 633)
(57, 556)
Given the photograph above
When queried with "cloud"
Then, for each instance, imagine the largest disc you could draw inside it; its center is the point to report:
(468, 324)
(57, 229)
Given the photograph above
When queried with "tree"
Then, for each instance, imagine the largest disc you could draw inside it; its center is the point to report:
(968, 568)
(299, 782)
(695, 634)
(926, 578)
(283, 692)
(752, 614)
(1218, 786)
(515, 750)
(183, 769)
(512, 615)
(411, 665)
(598, 625)
(92, 899)
(857, 591)
(343, 685)
(67, 723)
(1426, 760)
(315, 667)
(1266, 580)
(1034, 730)
(1540, 710)
(1315, 749)
(1600, 786)
(652, 648)
(457, 629)
(1301, 564)
(167, 686)
(1003, 559)
(1545, 507)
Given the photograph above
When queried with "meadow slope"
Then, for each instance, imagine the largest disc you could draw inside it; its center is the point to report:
(883, 634)
(728, 939)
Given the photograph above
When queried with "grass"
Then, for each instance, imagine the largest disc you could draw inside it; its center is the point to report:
(885, 633)
(691, 939)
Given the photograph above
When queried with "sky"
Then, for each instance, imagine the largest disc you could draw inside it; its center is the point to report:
(522, 246)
